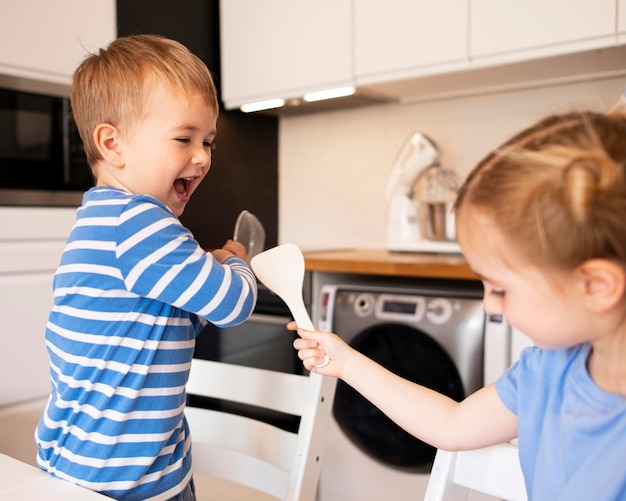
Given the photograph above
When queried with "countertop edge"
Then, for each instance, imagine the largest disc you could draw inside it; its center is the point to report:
(383, 262)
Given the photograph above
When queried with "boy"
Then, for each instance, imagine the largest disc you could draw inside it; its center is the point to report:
(133, 287)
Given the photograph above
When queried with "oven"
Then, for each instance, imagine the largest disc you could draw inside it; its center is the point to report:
(42, 160)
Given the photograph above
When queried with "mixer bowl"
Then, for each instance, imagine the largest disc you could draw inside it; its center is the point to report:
(439, 220)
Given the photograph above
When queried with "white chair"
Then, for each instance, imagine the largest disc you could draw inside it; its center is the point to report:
(492, 470)
(243, 458)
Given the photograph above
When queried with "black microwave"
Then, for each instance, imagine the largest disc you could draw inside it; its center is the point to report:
(42, 160)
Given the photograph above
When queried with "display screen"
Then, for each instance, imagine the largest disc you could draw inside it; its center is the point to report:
(399, 307)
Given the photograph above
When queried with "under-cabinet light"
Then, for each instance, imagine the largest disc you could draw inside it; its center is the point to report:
(328, 94)
(262, 105)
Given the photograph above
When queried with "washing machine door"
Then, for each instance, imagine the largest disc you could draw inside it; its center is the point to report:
(415, 356)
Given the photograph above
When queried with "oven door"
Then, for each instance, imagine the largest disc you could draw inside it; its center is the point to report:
(262, 341)
(42, 160)
(31, 147)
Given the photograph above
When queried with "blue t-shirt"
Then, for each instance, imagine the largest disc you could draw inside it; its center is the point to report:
(131, 293)
(572, 434)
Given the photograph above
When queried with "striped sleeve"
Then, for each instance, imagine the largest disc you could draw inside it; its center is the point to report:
(158, 258)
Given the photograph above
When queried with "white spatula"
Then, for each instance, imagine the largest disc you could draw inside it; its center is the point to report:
(281, 269)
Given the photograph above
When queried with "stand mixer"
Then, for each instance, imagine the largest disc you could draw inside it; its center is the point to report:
(406, 230)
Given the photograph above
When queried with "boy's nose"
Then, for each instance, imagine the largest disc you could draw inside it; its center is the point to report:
(201, 158)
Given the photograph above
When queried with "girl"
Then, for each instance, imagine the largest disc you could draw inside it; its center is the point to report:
(542, 221)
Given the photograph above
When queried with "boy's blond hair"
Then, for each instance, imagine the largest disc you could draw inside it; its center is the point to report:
(113, 85)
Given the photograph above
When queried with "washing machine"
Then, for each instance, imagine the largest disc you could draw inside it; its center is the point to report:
(432, 333)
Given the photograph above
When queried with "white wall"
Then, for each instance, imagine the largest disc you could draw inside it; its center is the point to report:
(333, 166)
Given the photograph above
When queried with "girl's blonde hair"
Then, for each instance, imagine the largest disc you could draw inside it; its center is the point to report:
(113, 85)
(557, 191)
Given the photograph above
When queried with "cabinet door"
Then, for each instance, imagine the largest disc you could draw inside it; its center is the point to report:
(498, 26)
(282, 48)
(25, 301)
(31, 244)
(26, 274)
(46, 40)
(407, 36)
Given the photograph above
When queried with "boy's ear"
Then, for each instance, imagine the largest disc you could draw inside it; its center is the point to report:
(107, 139)
(603, 283)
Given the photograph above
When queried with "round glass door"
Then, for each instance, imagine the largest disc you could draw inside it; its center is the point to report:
(415, 356)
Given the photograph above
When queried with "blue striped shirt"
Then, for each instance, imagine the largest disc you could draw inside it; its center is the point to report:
(131, 293)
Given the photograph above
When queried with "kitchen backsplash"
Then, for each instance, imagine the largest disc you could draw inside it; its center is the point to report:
(333, 166)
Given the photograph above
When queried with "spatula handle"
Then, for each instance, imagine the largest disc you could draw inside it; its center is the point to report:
(303, 320)
(301, 316)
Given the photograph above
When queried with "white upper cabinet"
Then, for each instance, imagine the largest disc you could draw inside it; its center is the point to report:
(411, 50)
(404, 38)
(45, 40)
(283, 48)
(535, 28)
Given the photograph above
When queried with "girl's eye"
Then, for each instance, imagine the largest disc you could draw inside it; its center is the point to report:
(183, 139)
(497, 292)
(209, 145)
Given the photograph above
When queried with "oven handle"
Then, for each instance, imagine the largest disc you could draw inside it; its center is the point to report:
(269, 319)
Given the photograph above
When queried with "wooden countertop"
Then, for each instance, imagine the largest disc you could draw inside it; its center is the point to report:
(383, 262)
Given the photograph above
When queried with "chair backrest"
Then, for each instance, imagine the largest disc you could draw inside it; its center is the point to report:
(232, 441)
(492, 470)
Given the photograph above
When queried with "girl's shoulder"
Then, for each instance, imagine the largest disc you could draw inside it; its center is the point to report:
(539, 366)
(553, 357)
(537, 372)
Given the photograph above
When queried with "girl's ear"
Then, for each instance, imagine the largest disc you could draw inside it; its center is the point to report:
(107, 139)
(603, 283)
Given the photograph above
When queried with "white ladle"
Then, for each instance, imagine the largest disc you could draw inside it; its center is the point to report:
(281, 269)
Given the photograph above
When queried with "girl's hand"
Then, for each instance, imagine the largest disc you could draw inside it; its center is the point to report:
(313, 346)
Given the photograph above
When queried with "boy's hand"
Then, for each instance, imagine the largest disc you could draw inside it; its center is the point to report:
(236, 248)
(230, 248)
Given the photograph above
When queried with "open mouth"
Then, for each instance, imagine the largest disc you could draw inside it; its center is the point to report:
(181, 185)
